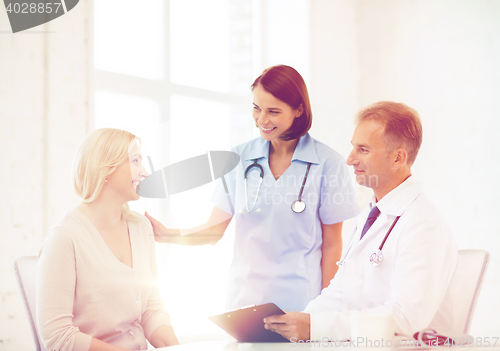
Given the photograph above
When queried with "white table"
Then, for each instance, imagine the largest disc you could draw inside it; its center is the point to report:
(234, 346)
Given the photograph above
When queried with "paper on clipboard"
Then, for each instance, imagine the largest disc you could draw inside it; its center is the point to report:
(247, 325)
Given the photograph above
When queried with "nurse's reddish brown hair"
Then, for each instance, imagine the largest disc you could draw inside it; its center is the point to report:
(402, 126)
(287, 85)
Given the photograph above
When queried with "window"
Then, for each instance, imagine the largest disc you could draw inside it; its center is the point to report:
(179, 79)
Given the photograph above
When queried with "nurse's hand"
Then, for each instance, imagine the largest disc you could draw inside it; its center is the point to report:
(294, 325)
(162, 233)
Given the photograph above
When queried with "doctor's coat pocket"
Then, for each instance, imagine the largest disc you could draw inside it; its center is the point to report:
(377, 280)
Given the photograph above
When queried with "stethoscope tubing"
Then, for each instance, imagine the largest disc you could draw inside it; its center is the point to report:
(254, 164)
(261, 170)
(342, 260)
(388, 232)
(304, 182)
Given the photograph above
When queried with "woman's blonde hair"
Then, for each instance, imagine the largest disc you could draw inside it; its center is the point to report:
(101, 152)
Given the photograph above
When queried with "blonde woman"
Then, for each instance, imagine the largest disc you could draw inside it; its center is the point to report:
(97, 267)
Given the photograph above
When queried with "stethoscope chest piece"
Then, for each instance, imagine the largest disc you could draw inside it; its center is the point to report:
(376, 258)
(298, 206)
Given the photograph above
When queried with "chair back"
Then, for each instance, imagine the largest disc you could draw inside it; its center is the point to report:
(25, 270)
(465, 286)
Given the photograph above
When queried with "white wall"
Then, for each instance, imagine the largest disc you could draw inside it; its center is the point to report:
(284, 35)
(440, 57)
(44, 115)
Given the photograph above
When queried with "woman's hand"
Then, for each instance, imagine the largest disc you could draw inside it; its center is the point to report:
(163, 336)
(161, 232)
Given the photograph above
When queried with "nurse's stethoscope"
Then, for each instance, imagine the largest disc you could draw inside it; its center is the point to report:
(298, 205)
(377, 257)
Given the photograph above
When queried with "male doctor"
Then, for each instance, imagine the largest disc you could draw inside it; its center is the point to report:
(419, 255)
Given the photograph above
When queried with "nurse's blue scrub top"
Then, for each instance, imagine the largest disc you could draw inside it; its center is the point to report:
(277, 252)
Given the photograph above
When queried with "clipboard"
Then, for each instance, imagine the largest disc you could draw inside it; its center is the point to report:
(247, 325)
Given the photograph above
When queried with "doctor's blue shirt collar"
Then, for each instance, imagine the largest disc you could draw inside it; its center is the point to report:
(305, 150)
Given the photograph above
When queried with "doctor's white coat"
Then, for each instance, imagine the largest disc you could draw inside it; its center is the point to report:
(420, 256)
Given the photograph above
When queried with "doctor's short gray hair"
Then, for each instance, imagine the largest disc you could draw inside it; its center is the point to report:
(402, 125)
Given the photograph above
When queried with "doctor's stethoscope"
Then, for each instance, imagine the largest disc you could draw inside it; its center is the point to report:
(377, 257)
(298, 205)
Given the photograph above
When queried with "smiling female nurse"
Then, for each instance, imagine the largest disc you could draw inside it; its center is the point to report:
(282, 254)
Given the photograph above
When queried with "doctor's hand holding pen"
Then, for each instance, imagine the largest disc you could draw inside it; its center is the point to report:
(289, 195)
